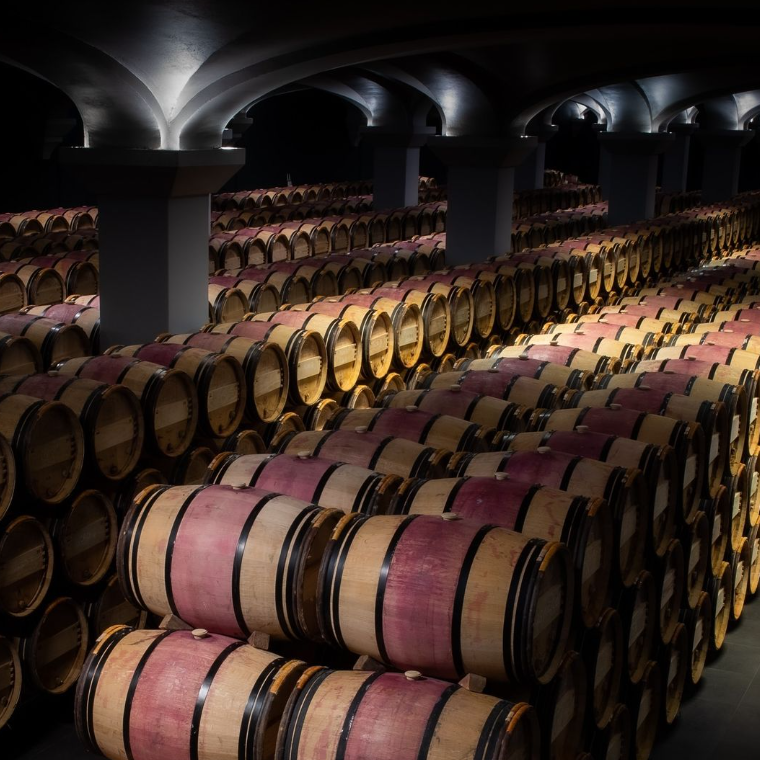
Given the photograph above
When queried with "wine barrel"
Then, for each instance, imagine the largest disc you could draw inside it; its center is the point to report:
(411, 423)
(292, 288)
(638, 610)
(329, 484)
(741, 560)
(615, 742)
(48, 446)
(558, 374)
(654, 312)
(111, 608)
(226, 696)
(54, 652)
(434, 308)
(188, 469)
(686, 440)
(12, 678)
(695, 541)
(266, 585)
(18, 356)
(645, 705)
(717, 510)
(27, 561)
(698, 623)
(342, 342)
(629, 320)
(55, 341)
(736, 487)
(674, 662)
(218, 378)
(286, 423)
(168, 397)
(480, 409)
(243, 442)
(657, 464)
(86, 317)
(305, 351)
(505, 290)
(376, 330)
(43, 284)
(130, 487)
(316, 417)
(623, 489)
(226, 304)
(85, 538)
(387, 454)
(671, 588)
(80, 277)
(603, 654)
(721, 334)
(753, 540)
(710, 415)
(110, 416)
(720, 588)
(394, 716)
(571, 357)
(406, 318)
(260, 296)
(615, 349)
(373, 598)
(683, 305)
(359, 397)
(583, 524)
(619, 333)
(264, 364)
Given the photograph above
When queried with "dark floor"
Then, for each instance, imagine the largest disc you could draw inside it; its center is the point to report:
(720, 721)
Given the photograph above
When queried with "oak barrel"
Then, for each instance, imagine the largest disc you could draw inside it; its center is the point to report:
(638, 609)
(11, 679)
(110, 607)
(86, 317)
(671, 588)
(720, 588)
(698, 623)
(55, 341)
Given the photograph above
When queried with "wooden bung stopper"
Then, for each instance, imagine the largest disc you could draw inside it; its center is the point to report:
(199, 633)
(413, 675)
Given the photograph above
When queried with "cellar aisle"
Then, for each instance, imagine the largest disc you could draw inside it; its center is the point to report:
(721, 720)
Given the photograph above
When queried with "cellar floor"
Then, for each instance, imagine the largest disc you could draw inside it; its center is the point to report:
(721, 720)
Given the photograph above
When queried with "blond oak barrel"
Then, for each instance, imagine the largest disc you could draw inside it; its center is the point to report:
(226, 304)
(11, 679)
(13, 295)
(686, 439)
(614, 742)
(110, 415)
(342, 342)
(85, 538)
(218, 378)
(387, 454)
(261, 554)
(18, 356)
(48, 447)
(698, 623)
(711, 416)
(125, 494)
(583, 524)
(377, 333)
(54, 652)
(649, 324)
(603, 653)
(461, 305)
(741, 561)
(645, 704)
(55, 341)
(151, 694)
(657, 464)
(316, 417)
(287, 422)
(615, 349)
(466, 405)
(188, 469)
(622, 488)
(407, 321)
(411, 423)
(305, 350)
(80, 277)
(110, 607)
(753, 541)
(718, 512)
(168, 397)
(43, 284)
(620, 333)
(576, 358)
(293, 288)
(244, 441)
(264, 364)
(334, 715)
(558, 374)
(86, 317)
(359, 397)
(26, 566)
(695, 540)
(504, 290)
(671, 587)
(329, 484)
(457, 615)
(720, 589)
(638, 610)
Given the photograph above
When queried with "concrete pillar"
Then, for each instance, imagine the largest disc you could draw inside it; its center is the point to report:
(480, 191)
(154, 229)
(396, 165)
(632, 173)
(529, 175)
(675, 160)
(723, 153)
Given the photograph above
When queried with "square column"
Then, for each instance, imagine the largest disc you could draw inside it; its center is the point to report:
(396, 175)
(632, 173)
(675, 160)
(480, 191)
(529, 175)
(722, 162)
(154, 226)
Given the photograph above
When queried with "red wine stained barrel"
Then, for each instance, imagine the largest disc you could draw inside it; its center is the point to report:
(622, 488)
(444, 595)
(396, 716)
(583, 524)
(261, 553)
(558, 374)
(56, 341)
(329, 484)
(86, 317)
(151, 694)
(570, 357)
(387, 454)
